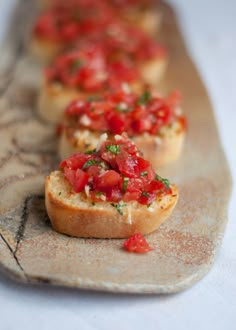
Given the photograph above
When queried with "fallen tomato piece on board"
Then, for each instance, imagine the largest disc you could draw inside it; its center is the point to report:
(137, 244)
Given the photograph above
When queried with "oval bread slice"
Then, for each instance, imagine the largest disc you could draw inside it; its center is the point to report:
(72, 214)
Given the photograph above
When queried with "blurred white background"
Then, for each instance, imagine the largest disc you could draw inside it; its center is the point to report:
(209, 28)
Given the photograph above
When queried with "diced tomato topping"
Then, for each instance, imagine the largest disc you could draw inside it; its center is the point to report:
(155, 186)
(124, 71)
(115, 173)
(143, 164)
(70, 31)
(128, 166)
(146, 198)
(75, 161)
(135, 185)
(131, 196)
(114, 194)
(137, 244)
(108, 179)
(75, 22)
(88, 69)
(64, 20)
(77, 178)
(93, 170)
(118, 112)
(115, 122)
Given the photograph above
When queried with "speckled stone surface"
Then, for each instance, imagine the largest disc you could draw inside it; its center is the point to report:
(184, 247)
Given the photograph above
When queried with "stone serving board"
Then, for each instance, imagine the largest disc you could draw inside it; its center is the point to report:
(185, 246)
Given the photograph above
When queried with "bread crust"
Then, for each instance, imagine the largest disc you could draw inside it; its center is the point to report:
(71, 215)
(159, 150)
(148, 20)
(43, 50)
(53, 99)
(153, 70)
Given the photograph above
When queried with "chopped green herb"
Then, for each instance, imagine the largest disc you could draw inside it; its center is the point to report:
(93, 98)
(165, 181)
(99, 193)
(144, 98)
(59, 194)
(90, 152)
(145, 194)
(115, 148)
(145, 173)
(76, 64)
(125, 184)
(118, 207)
(89, 162)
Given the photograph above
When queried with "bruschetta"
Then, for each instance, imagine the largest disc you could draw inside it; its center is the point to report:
(82, 74)
(109, 192)
(56, 31)
(60, 26)
(157, 125)
(144, 14)
(148, 54)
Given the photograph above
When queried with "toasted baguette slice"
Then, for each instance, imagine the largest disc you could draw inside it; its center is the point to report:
(159, 150)
(54, 98)
(148, 20)
(72, 214)
(44, 51)
(152, 71)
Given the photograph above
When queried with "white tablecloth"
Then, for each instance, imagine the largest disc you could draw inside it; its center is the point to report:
(209, 27)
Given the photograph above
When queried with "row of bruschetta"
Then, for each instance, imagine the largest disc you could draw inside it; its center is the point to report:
(99, 87)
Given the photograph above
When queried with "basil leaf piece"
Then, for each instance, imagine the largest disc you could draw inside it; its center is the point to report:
(125, 184)
(145, 194)
(89, 162)
(114, 148)
(76, 64)
(90, 152)
(144, 98)
(93, 98)
(165, 181)
(119, 207)
(145, 173)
